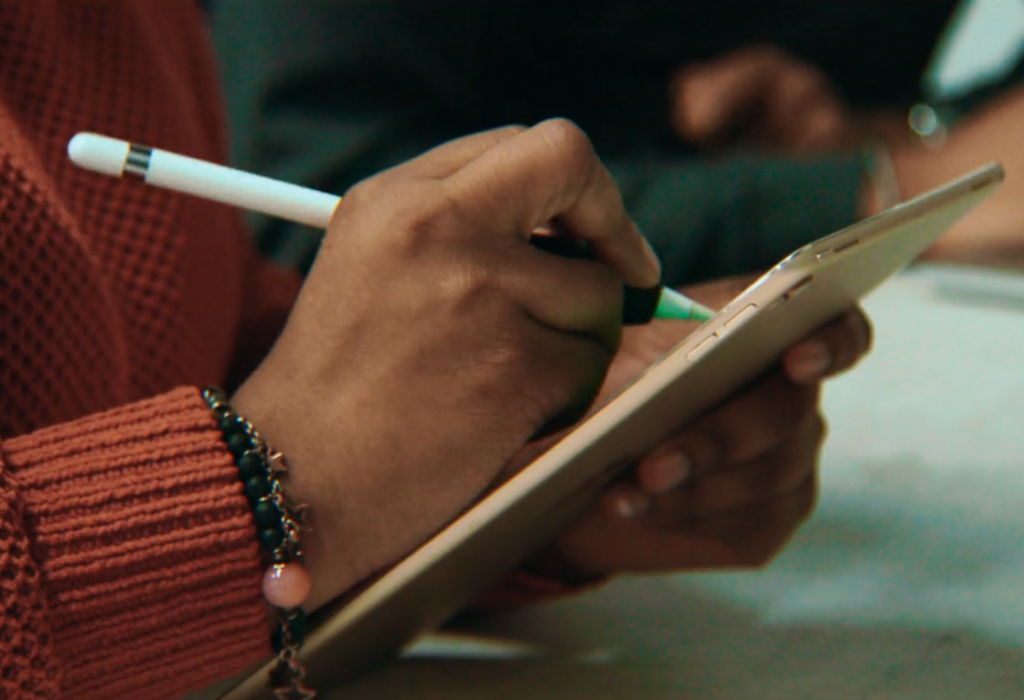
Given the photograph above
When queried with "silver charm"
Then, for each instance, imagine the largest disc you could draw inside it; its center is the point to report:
(294, 690)
(277, 464)
(299, 512)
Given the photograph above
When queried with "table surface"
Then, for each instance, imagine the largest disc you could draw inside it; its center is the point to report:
(908, 582)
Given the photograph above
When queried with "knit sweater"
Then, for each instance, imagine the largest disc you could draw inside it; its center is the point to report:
(129, 565)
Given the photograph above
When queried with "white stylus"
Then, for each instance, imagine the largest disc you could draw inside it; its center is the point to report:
(220, 183)
(203, 179)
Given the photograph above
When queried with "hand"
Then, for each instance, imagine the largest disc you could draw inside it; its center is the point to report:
(761, 96)
(430, 340)
(729, 489)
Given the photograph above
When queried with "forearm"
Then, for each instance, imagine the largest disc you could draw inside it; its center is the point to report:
(991, 234)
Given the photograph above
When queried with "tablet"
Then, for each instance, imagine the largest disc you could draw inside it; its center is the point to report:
(448, 572)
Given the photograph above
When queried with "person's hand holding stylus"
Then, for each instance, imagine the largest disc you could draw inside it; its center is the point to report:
(426, 293)
(430, 256)
(311, 207)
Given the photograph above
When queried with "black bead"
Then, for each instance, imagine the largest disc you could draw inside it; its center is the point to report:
(271, 538)
(220, 412)
(239, 443)
(256, 488)
(230, 424)
(214, 396)
(250, 464)
(267, 514)
(297, 626)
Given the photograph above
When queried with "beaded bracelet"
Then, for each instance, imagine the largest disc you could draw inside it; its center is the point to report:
(286, 583)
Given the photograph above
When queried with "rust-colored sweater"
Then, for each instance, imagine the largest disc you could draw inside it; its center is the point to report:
(129, 566)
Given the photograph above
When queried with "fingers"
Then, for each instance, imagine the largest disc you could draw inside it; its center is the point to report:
(762, 94)
(803, 113)
(750, 536)
(624, 500)
(550, 172)
(747, 537)
(573, 295)
(831, 350)
(754, 422)
(768, 476)
(712, 98)
(569, 370)
(443, 160)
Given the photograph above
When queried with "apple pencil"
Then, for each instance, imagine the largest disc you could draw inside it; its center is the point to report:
(307, 206)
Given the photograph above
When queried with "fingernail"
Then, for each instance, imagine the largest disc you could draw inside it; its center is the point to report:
(652, 257)
(810, 361)
(632, 504)
(667, 472)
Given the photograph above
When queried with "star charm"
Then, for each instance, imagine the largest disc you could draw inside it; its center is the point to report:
(299, 513)
(275, 460)
(296, 691)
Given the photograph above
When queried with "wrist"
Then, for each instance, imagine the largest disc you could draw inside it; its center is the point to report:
(283, 419)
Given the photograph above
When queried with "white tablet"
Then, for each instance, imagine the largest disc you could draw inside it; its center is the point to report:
(447, 573)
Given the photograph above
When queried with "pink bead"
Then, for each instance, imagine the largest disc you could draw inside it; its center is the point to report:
(286, 585)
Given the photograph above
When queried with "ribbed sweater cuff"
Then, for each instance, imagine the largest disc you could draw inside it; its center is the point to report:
(146, 548)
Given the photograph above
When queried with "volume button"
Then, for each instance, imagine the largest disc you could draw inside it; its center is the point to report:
(702, 348)
(748, 311)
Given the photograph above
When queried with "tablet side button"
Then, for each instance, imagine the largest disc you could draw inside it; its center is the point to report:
(704, 346)
(750, 310)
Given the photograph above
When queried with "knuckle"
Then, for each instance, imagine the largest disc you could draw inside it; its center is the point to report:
(364, 193)
(423, 219)
(567, 141)
(406, 217)
(468, 288)
(513, 129)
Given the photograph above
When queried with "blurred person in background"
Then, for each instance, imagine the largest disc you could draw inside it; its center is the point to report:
(736, 130)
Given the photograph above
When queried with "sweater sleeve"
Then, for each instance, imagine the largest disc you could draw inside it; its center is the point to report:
(129, 566)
